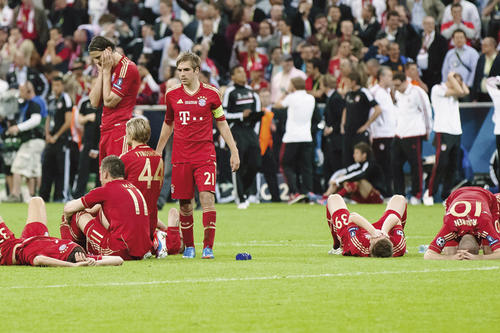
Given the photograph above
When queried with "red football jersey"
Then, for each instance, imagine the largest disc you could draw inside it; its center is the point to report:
(193, 122)
(469, 210)
(127, 212)
(144, 169)
(125, 82)
(46, 246)
(7, 242)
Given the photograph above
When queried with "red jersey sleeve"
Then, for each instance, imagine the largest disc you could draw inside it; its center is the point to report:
(97, 195)
(488, 232)
(216, 105)
(398, 240)
(169, 114)
(444, 235)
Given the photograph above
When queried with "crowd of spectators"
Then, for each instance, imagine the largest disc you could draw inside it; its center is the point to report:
(336, 47)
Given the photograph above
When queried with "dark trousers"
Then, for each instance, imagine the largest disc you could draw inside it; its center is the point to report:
(297, 161)
(446, 165)
(55, 170)
(250, 159)
(382, 148)
(349, 141)
(498, 152)
(86, 165)
(269, 169)
(407, 149)
(332, 151)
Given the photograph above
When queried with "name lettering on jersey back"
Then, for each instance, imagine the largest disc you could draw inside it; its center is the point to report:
(128, 186)
(145, 153)
(465, 222)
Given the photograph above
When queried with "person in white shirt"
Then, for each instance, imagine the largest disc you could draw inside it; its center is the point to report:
(413, 123)
(281, 81)
(493, 87)
(382, 130)
(298, 150)
(448, 130)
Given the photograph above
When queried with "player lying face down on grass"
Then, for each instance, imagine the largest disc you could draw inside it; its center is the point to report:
(144, 169)
(362, 181)
(112, 219)
(191, 108)
(471, 216)
(358, 237)
(36, 248)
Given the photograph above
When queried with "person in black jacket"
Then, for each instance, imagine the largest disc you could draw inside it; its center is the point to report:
(363, 181)
(492, 56)
(332, 139)
(90, 118)
(367, 29)
(242, 108)
(432, 53)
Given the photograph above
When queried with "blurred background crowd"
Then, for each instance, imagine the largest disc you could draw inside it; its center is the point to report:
(272, 50)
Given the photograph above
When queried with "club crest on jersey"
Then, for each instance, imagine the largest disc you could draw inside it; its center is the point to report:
(62, 248)
(440, 242)
(202, 101)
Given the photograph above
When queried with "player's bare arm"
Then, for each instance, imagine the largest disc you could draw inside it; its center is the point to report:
(109, 98)
(166, 132)
(433, 255)
(95, 94)
(72, 207)
(225, 131)
(51, 262)
(493, 256)
(361, 222)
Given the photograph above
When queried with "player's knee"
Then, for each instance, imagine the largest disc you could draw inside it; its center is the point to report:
(186, 208)
(173, 217)
(36, 201)
(336, 201)
(207, 199)
(397, 203)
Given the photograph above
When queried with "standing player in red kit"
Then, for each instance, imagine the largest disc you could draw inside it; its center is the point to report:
(360, 238)
(116, 87)
(144, 169)
(469, 211)
(37, 248)
(191, 108)
(118, 221)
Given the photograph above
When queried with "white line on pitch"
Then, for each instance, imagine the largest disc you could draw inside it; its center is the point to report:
(252, 278)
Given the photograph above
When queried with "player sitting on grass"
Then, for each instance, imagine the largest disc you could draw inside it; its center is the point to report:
(37, 248)
(144, 169)
(363, 181)
(117, 222)
(358, 237)
(469, 211)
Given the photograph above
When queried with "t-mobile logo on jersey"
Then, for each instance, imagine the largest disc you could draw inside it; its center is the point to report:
(184, 117)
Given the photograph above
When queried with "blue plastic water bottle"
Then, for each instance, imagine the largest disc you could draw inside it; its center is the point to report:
(423, 248)
(244, 256)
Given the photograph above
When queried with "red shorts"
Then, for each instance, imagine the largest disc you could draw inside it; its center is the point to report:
(373, 198)
(34, 229)
(100, 242)
(112, 142)
(186, 175)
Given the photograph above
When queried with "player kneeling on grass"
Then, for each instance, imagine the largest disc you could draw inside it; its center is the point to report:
(358, 237)
(471, 214)
(363, 181)
(37, 248)
(144, 169)
(117, 221)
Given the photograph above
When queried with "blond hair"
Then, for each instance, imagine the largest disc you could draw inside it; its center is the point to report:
(138, 129)
(189, 56)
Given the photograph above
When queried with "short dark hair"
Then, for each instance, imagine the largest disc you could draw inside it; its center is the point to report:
(382, 248)
(56, 28)
(114, 166)
(455, 5)
(399, 76)
(72, 256)
(316, 63)
(458, 30)
(57, 78)
(392, 13)
(364, 147)
(319, 16)
(100, 43)
(382, 70)
(469, 243)
(354, 76)
(234, 68)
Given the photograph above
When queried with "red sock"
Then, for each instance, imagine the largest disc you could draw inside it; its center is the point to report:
(72, 232)
(187, 229)
(209, 218)
(342, 192)
(173, 240)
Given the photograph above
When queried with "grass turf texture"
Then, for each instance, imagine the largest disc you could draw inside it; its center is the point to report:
(291, 284)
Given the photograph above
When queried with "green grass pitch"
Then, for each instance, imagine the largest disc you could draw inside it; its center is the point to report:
(291, 284)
